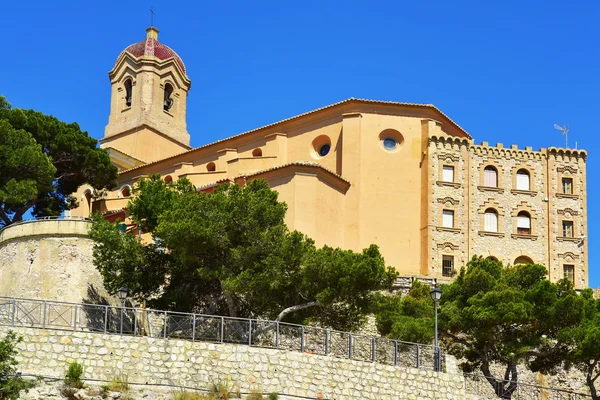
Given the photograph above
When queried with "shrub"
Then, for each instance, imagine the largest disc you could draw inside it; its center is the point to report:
(73, 376)
(255, 394)
(183, 395)
(273, 396)
(10, 383)
(119, 383)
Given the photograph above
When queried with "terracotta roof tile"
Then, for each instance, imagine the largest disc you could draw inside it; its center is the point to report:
(152, 47)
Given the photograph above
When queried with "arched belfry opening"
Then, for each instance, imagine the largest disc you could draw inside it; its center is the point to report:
(128, 92)
(168, 99)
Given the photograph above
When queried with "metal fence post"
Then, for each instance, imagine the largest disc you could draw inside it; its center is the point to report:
(350, 346)
(135, 313)
(277, 334)
(165, 330)
(373, 348)
(193, 327)
(302, 340)
(14, 311)
(222, 328)
(395, 352)
(75, 319)
(418, 355)
(326, 341)
(44, 322)
(105, 318)
(250, 333)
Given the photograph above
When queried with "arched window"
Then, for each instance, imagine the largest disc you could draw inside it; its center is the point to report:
(490, 221)
(128, 92)
(523, 180)
(168, 103)
(524, 223)
(211, 167)
(87, 197)
(125, 191)
(492, 258)
(523, 260)
(490, 176)
(168, 179)
(257, 152)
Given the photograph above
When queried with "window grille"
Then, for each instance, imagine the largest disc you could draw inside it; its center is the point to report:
(447, 265)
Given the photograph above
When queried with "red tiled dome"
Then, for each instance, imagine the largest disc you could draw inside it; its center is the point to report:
(152, 47)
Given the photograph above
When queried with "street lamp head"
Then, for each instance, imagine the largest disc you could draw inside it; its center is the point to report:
(122, 293)
(436, 294)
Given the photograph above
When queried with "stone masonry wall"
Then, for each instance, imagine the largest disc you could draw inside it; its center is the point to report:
(50, 260)
(198, 364)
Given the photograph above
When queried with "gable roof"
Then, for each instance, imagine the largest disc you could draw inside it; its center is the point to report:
(352, 100)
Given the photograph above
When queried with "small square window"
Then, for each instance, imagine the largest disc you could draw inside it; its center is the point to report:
(567, 185)
(448, 265)
(448, 219)
(567, 228)
(569, 272)
(448, 173)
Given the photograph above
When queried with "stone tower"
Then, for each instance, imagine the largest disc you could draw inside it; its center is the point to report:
(147, 119)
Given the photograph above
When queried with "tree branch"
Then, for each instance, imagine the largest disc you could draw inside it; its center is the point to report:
(4, 217)
(285, 312)
(292, 309)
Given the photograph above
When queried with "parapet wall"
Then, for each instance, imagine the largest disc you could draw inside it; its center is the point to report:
(199, 364)
(50, 259)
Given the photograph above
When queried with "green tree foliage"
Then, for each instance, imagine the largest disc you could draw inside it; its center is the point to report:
(408, 318)
(42, 163)
(230, 253)
(505, 315)
(10, 384)
(576, 346)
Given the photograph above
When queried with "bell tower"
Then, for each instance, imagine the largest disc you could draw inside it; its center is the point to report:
(147, 119)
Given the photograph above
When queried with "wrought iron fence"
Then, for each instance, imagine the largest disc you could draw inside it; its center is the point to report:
(210, 328)
(478, 384)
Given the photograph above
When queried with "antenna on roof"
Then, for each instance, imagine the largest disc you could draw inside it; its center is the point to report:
(151, 16)
(565, 131)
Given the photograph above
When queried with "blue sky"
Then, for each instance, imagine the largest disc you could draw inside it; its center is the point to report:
(505, 71)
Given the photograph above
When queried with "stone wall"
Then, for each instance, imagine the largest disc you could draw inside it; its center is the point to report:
(51, 260)
(198, 364)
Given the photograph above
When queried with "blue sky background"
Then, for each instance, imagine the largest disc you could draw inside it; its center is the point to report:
(505, 71)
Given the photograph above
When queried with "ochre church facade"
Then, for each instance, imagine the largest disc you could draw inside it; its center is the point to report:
(403, 176)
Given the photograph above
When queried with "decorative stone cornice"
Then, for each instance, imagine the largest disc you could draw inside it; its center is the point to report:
(448, 199)
(448, 156)
(567, 168)
(568, 254)
(448, 244)
(567, 211)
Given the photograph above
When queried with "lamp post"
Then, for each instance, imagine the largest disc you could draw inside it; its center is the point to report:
(122, 294)
(436, 294)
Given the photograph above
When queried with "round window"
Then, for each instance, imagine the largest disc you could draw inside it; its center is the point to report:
(389, 143)
(324, 150)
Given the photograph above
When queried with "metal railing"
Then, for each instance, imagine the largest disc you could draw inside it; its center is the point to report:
(478, 384)
(19, 312)
(56, 218)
